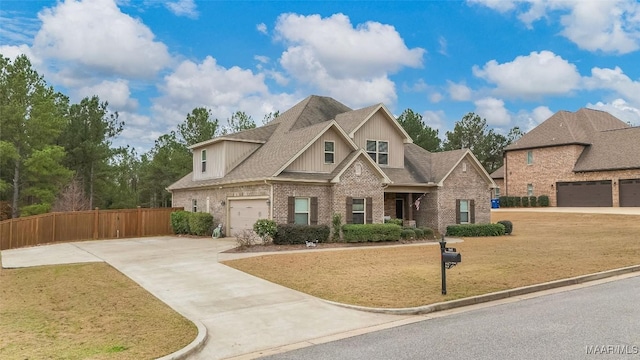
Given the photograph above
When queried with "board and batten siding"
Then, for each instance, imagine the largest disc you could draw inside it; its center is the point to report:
(312, 160)
(222, 157)
(379, 127)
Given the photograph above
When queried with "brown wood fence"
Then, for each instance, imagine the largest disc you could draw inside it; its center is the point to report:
(84, 225)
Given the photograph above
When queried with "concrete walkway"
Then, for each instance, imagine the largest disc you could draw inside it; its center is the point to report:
(242, 313)
(579, 210)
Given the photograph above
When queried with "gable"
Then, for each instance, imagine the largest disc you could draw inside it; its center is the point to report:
(468, 173)
(380, 127)
(313, 158)
(221, 157)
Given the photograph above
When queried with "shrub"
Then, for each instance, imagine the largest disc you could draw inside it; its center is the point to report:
(408, 234)
(504, 201)
(200, 223)
(336, 224)
(508, 226)
(543, 200)
(297, 234)
(471, 230)
(394, 221)
(511, 201)
(266, 229)
(419, 233)
(525, 201)
(180, 222)
(371, 232)
(246, 238)
(428, 232)
(533, 200)
(517, 201)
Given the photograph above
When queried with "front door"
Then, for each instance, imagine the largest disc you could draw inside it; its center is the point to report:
(399, 208)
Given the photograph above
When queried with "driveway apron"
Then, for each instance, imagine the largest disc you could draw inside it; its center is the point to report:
(242, 313)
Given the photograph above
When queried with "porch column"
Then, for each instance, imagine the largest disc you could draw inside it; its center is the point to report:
(410, 212)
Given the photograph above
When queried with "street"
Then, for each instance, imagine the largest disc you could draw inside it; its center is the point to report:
(600, 321)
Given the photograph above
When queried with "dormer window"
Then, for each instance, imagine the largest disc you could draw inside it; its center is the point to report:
(203, 160)
(329, 152)
(379, 151)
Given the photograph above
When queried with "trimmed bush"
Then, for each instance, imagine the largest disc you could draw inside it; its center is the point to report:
(408, 234)
(533, 200)
(518, 201)
(200, 223)
(394, 221)
(371, 232)
(543, 200)
(472, 230)
(419, 233)
(288, 234)
(336, 225)
(180, 222)
(511, 201)
(504, 201)
(525, 201)
(266, 229)
(428, 232)
(508, 226)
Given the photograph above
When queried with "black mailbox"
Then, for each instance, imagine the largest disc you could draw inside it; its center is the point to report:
(451, 257)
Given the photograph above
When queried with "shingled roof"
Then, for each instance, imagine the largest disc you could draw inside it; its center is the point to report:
(610, 144)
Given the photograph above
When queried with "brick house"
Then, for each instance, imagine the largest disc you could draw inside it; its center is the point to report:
(582, 158)
(320, 158)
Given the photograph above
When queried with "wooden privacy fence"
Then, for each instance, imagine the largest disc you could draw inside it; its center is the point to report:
(84, 225)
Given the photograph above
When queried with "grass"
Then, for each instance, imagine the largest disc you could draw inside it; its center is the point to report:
(84, 311)
(543, 247)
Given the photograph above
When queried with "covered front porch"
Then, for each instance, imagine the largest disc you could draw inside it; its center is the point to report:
(409, 204)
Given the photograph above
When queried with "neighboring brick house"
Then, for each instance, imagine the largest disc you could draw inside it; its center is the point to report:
(320, 158)
(584, 158)
(498, 178)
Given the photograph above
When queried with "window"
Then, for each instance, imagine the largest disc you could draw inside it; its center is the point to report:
(203, 159)
(529, 157)
(358, 211)
(529, 189)
(464, 211)
(301, 211)
(194, 205)
(497, 192)
(379, 151)
(329, 152)
(464, 167)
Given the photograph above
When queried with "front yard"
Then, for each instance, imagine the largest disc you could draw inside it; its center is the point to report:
(543, 247)
(84, 311)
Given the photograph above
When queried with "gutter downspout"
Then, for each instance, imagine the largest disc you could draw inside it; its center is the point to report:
(270, 198)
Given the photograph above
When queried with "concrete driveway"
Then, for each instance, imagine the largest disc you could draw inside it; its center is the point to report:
(242, 313)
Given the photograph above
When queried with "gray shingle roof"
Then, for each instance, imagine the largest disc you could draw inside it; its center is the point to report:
(611, 150)
(498, 174)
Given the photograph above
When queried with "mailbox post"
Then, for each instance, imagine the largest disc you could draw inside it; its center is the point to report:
(448, 259)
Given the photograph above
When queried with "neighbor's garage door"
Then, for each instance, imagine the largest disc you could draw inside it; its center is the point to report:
(243, 213)
(630, 192)
(584, 193)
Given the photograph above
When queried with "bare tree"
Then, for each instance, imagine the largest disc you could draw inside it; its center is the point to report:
(72, 197)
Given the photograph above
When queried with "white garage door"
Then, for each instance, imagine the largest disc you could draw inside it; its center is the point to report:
(243, 213)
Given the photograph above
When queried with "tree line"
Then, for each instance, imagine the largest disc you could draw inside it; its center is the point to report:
(58, 156)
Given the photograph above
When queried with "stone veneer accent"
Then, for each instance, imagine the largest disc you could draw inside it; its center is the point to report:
(551, 165)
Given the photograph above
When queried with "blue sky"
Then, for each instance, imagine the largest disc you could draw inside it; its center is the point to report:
(513, 62)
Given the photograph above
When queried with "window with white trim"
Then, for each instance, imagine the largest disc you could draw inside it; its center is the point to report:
(379, 151)
(194, 205)
(301, 212)
(358, 211)
(203, 160)
(530, 157)
(329, 152)
(529, 189)
(464, 211)
(497, 191)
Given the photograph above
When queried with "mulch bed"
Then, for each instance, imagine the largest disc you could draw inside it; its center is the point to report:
(274, 248)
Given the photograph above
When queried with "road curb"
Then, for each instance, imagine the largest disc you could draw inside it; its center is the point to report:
(492, 296)
(196, 345)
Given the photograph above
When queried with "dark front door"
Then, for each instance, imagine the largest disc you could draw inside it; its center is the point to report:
(399, 208)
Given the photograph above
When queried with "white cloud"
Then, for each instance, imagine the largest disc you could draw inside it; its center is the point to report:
(183, 8)
(527, 120)
(17, 29)
(347, 62)
(611, 26)
(434, 119)
(97, 36)
(540, 114)
(615, 80)
(620, 109)
(443, 46)
(223, 90)
(116, 93)
(534, 75)
(13, 51)
(435, 97)
(493, 110)
(459, 92)
(262, 27)
(261, 58)
(418, 86)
